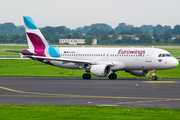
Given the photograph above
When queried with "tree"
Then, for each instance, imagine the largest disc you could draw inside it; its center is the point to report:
(8, 26)
(125, 33)
(48, 30)
(3, 39)
(136, 30)
(15, 39)
(23, 38)
(115, 37)
(112, 32)
(123, 27)
(177, 40)
(126, 39)
(60, 30)
(147, 29)
(176, 30)
(158, 29)
(68, 36)
(88, 40)
(157, 38)
(167, 35)
(47, 37)
(76, 35)
(105, 37)
(146, 39)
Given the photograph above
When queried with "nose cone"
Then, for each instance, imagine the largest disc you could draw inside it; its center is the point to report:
(173, 63)
(176, 63)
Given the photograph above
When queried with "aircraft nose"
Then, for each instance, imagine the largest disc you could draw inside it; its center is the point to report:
(176, 62)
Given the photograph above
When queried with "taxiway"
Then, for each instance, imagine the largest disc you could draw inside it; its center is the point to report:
(129, 92)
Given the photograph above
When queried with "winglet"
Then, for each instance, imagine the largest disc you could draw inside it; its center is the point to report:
(29, 22)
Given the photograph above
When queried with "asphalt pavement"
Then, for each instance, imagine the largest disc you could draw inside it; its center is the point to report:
(129, 92)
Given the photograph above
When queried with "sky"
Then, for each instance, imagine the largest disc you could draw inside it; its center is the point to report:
(78, 13)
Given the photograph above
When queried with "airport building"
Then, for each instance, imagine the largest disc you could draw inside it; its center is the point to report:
(75, 41)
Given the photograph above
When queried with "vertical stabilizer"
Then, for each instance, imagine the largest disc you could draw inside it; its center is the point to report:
(36, 40)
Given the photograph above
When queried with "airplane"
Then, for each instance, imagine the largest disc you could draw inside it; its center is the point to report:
(97, 61)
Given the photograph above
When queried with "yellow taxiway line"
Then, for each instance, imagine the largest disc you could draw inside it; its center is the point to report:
(160, 82)
(78, 96)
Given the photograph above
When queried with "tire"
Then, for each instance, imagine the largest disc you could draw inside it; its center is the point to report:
(112, 76)
(154, 78)
(89, 76)
(86, 76)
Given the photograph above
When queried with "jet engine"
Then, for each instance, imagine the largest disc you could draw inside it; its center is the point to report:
(138, 72)
(100, 70)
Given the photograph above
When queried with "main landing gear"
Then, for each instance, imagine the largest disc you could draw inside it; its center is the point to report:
(86, 76)
(112, 76)
(154, 75)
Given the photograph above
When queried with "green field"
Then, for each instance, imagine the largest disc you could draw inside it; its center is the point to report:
(27, 67)
(51, 112)
(11, 47)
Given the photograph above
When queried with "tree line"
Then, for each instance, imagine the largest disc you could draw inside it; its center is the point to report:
(9, 33)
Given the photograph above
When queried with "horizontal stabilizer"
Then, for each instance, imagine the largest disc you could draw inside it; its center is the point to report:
(25, 53)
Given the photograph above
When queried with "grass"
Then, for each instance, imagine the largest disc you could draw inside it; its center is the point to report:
(44, 112)
(11, 47)
(175, 52)
(31, 68)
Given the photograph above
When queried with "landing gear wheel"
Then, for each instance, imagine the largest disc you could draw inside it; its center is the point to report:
(154, 78)
(86, 76)
(112, 76)
(154, 75)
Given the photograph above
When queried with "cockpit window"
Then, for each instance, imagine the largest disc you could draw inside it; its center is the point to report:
(159, 55)
(164, 55)
(168, 55)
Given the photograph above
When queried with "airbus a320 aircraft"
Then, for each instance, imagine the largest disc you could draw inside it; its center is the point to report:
(97, 61)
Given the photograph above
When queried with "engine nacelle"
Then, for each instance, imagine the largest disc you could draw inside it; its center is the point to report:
(100, 70)
(138, 72)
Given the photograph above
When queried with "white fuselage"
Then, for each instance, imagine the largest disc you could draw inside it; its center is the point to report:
(121, 58)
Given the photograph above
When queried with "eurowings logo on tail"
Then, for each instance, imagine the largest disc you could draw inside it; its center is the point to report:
(36, 41)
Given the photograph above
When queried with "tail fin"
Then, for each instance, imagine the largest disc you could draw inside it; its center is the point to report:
(36, 41)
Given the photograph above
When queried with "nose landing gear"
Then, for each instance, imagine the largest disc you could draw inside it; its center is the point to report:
(154, 75)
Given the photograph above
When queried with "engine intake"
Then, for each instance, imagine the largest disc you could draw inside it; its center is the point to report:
(138, 72)
(100, 70)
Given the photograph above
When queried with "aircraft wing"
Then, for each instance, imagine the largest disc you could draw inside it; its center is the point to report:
(72, 60)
